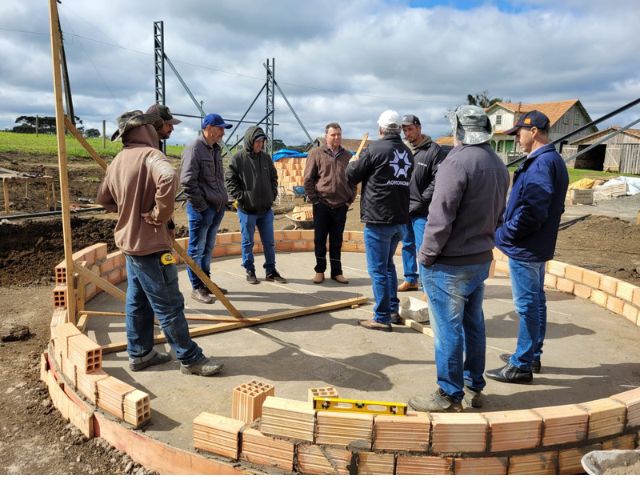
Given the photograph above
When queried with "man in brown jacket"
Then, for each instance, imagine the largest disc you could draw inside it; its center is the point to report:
(140, 184)
(325, 184)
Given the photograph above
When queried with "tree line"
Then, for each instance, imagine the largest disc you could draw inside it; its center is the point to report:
(47, 125)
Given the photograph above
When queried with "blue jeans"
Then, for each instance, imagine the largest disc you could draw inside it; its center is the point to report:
(380, 242)
(530, 302)
(264, 222)
(203, 228)
(455, 296)
(152, 288)
(409, 264)
(418, 224)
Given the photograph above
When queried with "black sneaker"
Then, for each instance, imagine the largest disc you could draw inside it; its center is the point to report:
(252, 279)
(396, 319)
(510, 374)
(473, 398)
(275, 277)
(536, 365)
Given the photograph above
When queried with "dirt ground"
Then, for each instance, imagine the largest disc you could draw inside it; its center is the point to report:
(34, 439)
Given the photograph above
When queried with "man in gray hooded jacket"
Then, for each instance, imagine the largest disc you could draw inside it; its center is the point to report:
(252, 181)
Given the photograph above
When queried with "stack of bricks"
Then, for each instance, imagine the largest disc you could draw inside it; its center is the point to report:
(408, 433)
(337, 428)
(290, 173)
(288, 418)
(316, 460)
(111, 393)
(247, 400)
(136, 408)
(513, 430)
(458, 432)
(217, 434)
(423, 465)
(260, 449)
(606, 417)
(371, 463)
(563, 424)
(631, 399)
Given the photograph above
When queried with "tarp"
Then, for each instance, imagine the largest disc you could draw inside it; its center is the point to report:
(632, 184)
(284, 153)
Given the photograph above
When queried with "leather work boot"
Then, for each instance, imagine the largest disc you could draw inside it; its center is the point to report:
(157, 359)
(340, 279)
(510, 374)
(318, 277)
(275, 277)
(202, 295)
(436, 402)
(408, 286)
(251, 278)
(205, 367)
(536, 365)
(396, 319)
(473, 398)
(373, 325)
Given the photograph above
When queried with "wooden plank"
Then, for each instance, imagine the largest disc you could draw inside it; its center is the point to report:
(188, 316)
(62, 154)
(206, 280)
(226, 326)
(74, 131)
(101, 282)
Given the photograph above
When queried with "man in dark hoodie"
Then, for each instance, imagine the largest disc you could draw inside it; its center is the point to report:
(384, 168)
(140, 184)
(202, 177)
(426, 157)
(252, 181)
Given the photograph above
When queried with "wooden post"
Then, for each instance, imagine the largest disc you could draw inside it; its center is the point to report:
(104, 134)
(47, 194)
(5, 193)
(37, 124)
(62, 159)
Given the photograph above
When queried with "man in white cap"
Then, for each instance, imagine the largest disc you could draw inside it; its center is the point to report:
(384, 168)
(455, 256)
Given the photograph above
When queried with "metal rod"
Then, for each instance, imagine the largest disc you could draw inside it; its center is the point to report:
(602, 140)
(184, 85)
(247, 110)
(584, 127)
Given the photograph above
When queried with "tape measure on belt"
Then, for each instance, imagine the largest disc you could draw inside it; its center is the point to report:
(167, 259)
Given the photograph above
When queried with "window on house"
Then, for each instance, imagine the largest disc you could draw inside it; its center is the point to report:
(576, 120)
(565, 120)
(498, 119)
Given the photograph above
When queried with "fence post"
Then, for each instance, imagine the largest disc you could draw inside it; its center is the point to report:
(104, 134)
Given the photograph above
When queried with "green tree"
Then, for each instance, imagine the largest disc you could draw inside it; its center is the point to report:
(92, 133)
(482, 99)
(27, 124)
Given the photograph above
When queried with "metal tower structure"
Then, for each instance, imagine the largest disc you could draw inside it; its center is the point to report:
(158, 53)
(271, 107)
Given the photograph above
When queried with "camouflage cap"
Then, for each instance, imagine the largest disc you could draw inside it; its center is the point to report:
(164, 112)
(133, 119)
(470, 124)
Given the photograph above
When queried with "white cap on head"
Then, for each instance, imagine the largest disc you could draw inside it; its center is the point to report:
(390, 119)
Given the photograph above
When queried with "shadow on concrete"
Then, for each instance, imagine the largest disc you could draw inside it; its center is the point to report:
(506, 326)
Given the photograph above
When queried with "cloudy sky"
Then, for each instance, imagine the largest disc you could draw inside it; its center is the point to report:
(335, 61)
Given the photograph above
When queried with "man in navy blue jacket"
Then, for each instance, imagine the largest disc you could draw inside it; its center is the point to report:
(528, 237)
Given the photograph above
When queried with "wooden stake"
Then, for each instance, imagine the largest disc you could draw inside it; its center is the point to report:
(188, 316)
(5, 192)
(364, 140)
(74, 131)
(101, 282)
(226, 326)
(62, 158)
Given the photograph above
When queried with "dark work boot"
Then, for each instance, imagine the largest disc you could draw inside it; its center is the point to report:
(436, 402)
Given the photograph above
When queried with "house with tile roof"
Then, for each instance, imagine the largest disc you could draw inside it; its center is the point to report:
(565, 116)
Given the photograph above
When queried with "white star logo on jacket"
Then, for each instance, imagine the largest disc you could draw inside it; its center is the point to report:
(400, 163)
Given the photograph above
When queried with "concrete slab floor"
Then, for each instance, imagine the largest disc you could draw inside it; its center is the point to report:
(589, 352)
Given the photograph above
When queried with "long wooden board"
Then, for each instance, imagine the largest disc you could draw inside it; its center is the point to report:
(226, 326)
(101, 282)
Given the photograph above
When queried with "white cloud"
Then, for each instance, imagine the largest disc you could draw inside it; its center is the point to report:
(336, 62)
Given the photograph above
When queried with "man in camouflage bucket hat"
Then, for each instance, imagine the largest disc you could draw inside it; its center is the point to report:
(455, 256)
(140, 185)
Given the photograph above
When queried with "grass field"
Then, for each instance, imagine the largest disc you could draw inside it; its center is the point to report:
(47, 145)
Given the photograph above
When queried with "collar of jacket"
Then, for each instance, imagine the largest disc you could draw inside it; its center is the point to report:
(204, 142)
(330, 152)
(532, 156)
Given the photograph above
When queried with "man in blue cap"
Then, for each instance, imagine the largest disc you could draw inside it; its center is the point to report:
(202, 178)
(528, 237)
